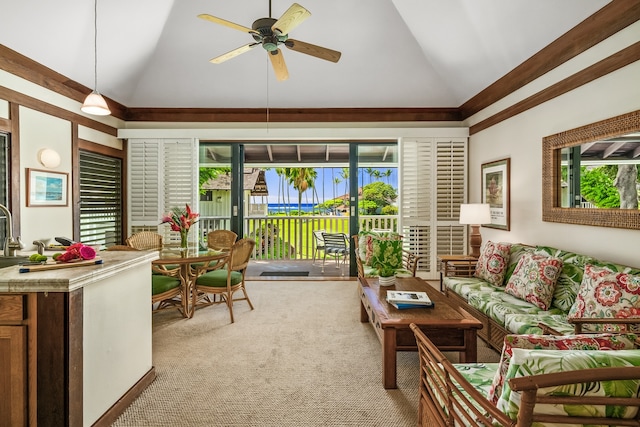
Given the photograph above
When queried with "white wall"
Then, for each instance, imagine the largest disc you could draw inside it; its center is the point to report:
(520, 138)
(38, 131)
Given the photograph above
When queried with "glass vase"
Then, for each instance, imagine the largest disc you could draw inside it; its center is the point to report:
(184, 235)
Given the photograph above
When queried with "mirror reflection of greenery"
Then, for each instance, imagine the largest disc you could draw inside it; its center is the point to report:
(597, 185)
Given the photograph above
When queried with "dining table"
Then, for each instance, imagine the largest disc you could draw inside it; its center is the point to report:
(189, 262)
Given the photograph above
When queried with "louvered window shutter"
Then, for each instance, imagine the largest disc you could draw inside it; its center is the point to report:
(451, 178)
(432, 187)
(163, 175)
(415, 183)
(144, 185)
(180, 186)
(100, 199)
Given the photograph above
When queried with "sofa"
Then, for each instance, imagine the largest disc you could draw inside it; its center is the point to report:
(383, 249)
(576, 380)
(525, 289)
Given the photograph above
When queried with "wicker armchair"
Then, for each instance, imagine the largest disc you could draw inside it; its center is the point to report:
(145, 240)
(221, 240)
(225, 279)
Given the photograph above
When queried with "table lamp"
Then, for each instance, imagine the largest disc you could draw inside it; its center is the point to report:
(475, 214)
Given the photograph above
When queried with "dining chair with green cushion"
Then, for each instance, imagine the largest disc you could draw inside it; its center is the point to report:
(166, 286)
(225, 279)
(145, 240)
(221, 240)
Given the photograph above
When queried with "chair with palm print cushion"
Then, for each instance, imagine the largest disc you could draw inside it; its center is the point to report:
(226, 278)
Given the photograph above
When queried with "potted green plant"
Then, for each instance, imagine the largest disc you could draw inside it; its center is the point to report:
(386, 275)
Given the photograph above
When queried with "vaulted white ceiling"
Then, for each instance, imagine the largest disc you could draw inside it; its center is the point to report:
(395, 53)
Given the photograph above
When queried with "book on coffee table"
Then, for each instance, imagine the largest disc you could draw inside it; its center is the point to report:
(408, 299)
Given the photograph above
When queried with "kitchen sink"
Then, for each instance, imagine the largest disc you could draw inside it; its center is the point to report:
(8, 261)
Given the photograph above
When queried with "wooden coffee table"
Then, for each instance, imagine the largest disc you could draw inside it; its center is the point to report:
(449, 328)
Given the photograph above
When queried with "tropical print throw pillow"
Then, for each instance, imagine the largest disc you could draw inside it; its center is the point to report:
(553, 342)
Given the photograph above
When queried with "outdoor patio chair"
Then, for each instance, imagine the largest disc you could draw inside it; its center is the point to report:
(318, 243)
(335, 245)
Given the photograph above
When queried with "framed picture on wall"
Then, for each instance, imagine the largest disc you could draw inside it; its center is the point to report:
(495, 192)
(46, 188)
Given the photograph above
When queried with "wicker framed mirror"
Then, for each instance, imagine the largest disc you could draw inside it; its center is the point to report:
(552, 179)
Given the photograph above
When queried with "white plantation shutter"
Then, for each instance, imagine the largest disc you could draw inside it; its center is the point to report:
(451, 172)
(163, 174)
(415, 184)
(180, 186)
(144, 184)
(432, 186)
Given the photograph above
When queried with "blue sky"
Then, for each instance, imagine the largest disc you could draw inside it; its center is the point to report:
(329, 174)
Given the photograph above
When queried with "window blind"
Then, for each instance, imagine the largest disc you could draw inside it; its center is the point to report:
(100, 199)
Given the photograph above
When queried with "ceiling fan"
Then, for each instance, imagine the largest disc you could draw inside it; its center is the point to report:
(271, 33)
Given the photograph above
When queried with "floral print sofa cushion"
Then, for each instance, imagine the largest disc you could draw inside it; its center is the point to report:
(464, 285)
(535, 362)
(534, 279)
(493, 262)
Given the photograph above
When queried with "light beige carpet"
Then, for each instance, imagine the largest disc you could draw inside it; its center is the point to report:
(301, 358)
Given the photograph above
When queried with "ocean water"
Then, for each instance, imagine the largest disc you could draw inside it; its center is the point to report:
(280, 207)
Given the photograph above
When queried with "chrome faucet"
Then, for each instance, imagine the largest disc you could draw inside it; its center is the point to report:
(11, 244)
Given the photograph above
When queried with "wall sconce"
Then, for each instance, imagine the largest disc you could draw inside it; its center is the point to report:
(219, 199)
(49, 158)
(475, 214)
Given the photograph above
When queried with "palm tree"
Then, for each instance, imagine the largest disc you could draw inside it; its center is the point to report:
(345, 177)
(387, 174)
(377, 174)
(370, 172)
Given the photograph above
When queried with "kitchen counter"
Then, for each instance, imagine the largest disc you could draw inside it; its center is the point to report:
(77, 340)
(70, 279)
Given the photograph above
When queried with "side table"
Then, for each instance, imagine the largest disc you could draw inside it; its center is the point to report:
(456, 265)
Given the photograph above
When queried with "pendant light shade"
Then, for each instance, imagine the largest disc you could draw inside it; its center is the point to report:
(94, 103)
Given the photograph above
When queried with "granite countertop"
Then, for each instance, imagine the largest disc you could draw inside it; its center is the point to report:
(69, 279)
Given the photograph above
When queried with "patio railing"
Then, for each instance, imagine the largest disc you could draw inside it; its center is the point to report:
(291, 237)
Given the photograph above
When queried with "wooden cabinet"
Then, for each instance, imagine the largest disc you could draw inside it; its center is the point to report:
(13, 361)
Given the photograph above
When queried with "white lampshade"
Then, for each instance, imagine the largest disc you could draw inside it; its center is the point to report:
(49, 158)
(96, 105)
(475, 213)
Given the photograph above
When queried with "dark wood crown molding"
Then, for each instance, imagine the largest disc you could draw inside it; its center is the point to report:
(338, 115)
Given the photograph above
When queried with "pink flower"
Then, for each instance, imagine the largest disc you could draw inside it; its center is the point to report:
(180, 220)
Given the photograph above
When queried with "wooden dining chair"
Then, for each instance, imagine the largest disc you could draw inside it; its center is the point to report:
(145, 240)
(226, 278)
(221, 240)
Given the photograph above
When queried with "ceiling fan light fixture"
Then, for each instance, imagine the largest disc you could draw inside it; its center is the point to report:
(95, 104)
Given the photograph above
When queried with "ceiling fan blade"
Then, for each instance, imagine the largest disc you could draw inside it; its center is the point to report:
(226, 23)
(233, 53)
(279, 66)
(313, 50)
(291, 19)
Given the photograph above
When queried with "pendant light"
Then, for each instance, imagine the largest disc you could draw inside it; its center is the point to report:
(95, 103)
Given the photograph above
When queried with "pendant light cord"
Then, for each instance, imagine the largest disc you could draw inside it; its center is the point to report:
(95, 45)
